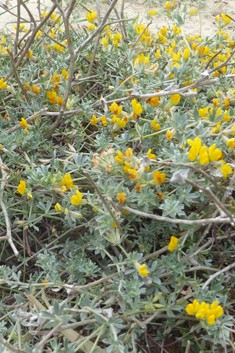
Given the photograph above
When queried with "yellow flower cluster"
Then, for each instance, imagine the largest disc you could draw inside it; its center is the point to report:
(152, 13)
(22, 28)
(205, 154)
(35, 89)
(53, 97)
(91, 16)
(205, 311)
(141, 60)
(24, 124)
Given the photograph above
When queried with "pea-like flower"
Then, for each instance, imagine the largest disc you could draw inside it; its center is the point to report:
(173, 243)
(76, 199)
(136, 107)
(158, 177)
(143, 270)
(21, 187)
(121, 197)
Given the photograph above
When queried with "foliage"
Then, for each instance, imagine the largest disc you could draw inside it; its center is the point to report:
(117, 173)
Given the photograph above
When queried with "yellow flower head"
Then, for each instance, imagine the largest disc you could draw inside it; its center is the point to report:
(24, 124)
(76, 199)
(129, 153)
(173, 243)
(192, 308)
(21, 187)
(143, 270)
(52, 96)
(203, 155)
(119, 157)
(94, 120)
(167, 5)
(67, 181)
(3, 84)
(35, 89)
(231, 142)
(214, 153)
(136, 107)
(116, 109)
(92, 16)
(158, 177)
(58, 207)
(104, 42)
(186, 54)
(121, 197)
(175, 98)
(195, 148)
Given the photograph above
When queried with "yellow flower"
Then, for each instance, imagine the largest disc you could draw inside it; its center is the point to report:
(58, 207)
(35, 89)
(141, 59)
(90, 27)
(52, 96)
(218, 311)
(175, 98)
(176, 57)
(119, 157)
(225, 19)
(151, 155)
(226, 169)
(203, 155)
(29, 195)
(21, 187)
(3, 84)
(136, 107)
(30, 54)
(116, 109)
(173, 243)
(157, 55)
(195, 148)
(67, 181)
(92, 16)
(65, 74)
(143, 270)
(214, 153)
(94, 120)
(231, 142)
(210, 318)
(104, 42)
(153, 101)
(158, 177)
(57, 47)
(103, 120)
(192, 308)
(60, 101)
(167, 5)
(203, 112)
(192, 12)
(129, 153)
(169, 135)
(76, 199)
(24, 124)
(121, 197)
(186, 54)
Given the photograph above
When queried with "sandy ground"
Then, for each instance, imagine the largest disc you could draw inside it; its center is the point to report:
(203, 23)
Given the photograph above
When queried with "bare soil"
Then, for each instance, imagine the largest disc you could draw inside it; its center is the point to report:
(203, 23)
